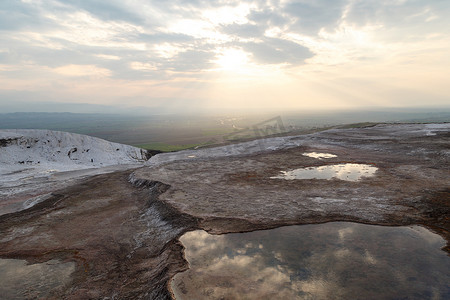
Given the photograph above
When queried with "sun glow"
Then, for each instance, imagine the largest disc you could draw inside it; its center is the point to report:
(232, 59)
(228, 14)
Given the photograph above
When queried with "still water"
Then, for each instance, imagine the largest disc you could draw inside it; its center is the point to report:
(348, 172)
(319, 155)
(20, 280)
(336, 260)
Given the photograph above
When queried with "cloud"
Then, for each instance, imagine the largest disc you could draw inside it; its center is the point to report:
(244, 30)
(82, 70)
(386, 12)
(269, 16)
(270, 41)
(311, 16)
(106, 10)
(188, 42)
(277, 51)
(19, 15)
(191, 60)
(161, 37)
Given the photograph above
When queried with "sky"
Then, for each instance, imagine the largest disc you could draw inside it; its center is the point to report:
(195, 55)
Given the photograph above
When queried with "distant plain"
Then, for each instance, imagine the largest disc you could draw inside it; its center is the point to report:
(165, 132)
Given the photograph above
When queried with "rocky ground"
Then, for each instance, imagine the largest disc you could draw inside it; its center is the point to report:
(121, 229)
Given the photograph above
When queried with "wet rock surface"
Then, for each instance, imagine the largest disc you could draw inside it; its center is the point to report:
(121, 229)
(122, 240)
(410, 186)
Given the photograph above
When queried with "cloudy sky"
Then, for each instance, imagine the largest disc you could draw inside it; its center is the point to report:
(217, 54)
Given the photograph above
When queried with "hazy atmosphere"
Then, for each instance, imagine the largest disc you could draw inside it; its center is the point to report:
(224, 149)
(191, 56)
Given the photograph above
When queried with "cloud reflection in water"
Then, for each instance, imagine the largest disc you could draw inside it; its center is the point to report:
(327, 261)
(348, 172)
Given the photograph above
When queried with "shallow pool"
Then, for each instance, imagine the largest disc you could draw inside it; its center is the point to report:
(326, 261)
(348, 172)
(319, 155)
(20, 280)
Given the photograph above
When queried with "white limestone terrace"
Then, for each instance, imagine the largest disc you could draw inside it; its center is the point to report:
(32, 162)
(63, 150)
(331, 137)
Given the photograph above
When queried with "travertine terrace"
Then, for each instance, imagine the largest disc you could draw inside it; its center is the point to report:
(121, 229)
